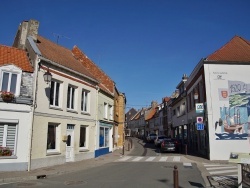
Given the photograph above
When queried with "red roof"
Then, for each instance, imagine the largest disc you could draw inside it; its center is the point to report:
(236, 50)
(15, 56)
(106, 83)
(61, 55)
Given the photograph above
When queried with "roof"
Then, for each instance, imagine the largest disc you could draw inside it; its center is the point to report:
(236, 50)
(105, 82)
(61, 55)
(150, 114)
(15, 56)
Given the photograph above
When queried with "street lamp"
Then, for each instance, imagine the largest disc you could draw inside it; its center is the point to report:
(47, 76)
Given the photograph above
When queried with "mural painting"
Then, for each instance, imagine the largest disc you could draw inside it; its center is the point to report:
(234, 122)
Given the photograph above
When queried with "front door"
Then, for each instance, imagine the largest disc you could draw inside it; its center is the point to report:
(70, 143)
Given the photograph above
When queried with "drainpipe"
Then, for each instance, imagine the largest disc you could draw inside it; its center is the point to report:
(96, 118)
(33, 112)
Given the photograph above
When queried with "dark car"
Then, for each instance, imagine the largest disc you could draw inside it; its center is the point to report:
(169, 144)
(159, 140)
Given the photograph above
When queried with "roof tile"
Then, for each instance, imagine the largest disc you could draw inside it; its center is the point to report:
(15, 56)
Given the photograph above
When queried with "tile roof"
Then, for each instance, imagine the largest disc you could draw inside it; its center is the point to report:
(106, 83)
(61, 55)
(150, 114)
(15, 56)
(236, 50)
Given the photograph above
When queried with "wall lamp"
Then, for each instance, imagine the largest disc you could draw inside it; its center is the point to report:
(47, 76)
(196, 95)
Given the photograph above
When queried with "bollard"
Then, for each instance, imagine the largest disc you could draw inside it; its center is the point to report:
(123, 148)
(131, 142)
(176, 179)
(185, 149)
(128, 146)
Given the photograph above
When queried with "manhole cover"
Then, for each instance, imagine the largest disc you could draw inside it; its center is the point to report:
(74, 182)
(25, 184)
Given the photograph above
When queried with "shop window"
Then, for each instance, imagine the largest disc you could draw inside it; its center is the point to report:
(104, 137)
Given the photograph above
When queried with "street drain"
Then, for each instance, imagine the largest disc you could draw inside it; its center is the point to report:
(25, 184)
(75, 182)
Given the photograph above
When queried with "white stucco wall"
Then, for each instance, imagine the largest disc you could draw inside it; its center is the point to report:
(23, 115)
(218, 90)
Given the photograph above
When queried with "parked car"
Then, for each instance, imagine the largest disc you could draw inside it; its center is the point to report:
(159, 140)
(151, 137)
(169, 144)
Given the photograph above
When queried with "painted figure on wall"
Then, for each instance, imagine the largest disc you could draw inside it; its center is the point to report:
(235, 116)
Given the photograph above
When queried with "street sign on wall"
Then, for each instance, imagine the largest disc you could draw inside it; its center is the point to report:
(199, 119)
(200, 126)
(199, 107)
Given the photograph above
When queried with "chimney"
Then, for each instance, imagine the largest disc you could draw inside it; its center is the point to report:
(25, 29)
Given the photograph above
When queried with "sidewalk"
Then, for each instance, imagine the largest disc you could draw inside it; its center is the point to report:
(18, 176)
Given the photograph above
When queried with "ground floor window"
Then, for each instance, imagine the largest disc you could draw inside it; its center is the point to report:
(8, 132)
(104, 137)
(83, 137)
(52, 137)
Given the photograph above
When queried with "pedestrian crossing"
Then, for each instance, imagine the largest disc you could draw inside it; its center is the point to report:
(150, 159)
(229, 170)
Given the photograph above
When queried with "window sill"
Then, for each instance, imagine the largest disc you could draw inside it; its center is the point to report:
(85, 113)
(52, 153)
(8, 157)
(56, 108)
(72, 111)
(83, 150)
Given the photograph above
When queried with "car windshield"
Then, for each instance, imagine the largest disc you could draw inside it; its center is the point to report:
(169, 140)
(161, 137)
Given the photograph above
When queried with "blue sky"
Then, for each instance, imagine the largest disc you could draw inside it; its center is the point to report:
(145, 46)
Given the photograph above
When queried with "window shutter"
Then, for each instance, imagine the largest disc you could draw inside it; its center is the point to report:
(1, 134)
(11, 135)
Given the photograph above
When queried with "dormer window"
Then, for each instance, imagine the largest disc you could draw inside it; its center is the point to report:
(10, 79)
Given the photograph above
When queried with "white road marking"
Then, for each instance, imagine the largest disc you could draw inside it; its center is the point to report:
(150, 159)
(137, 159)
(222, 171)
(163, 159)
(125, 158)
(177, 158)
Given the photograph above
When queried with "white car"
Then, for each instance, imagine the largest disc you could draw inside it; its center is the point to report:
(159, 140)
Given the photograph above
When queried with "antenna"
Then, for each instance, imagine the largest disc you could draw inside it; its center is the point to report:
(59, 36)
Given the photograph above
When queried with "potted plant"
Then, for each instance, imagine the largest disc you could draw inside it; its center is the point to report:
(7, 96)
(5, 151)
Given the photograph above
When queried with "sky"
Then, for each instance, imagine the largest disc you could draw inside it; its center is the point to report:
(144, 46)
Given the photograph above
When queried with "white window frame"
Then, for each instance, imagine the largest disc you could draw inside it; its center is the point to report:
(111, 112)
(69, 97)
(105, 110)
(106, 138)
(11, 69)
(56, 82)
(5, 124)
(86, 137)
(57, 140)
(85, 101)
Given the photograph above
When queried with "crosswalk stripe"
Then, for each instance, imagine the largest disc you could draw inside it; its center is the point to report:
(177, 158)
(137, 159)
(163, 159)
(222, 171)
(216, 165)
(125, 158)
(150, 159)
(223, 167)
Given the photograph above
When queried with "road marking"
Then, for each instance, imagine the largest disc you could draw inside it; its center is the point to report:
(177, 158)
(163, 159)
(187, 164)
(125, 158)
(222, 171)
(222, 167)
(150, 159)
(137, 159)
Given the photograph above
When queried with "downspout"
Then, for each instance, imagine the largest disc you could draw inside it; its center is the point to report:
(34, 107)
(96, 118)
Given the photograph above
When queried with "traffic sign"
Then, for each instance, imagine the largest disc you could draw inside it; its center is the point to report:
(199, 107)
(199, 119)
(199, 126)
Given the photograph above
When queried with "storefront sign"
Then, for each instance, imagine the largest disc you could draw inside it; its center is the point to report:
(199, 107)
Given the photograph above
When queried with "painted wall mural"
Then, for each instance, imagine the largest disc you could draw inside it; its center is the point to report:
(234, 123)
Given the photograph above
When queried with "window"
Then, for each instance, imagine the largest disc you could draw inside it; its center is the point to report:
(105, 110)
(10, 79)
(104, 137)
(55, 93)
(71, 98)
(111, 112)
(52, 137)
(174, 112)
(85, 101)
(8, 132)
(83, 140)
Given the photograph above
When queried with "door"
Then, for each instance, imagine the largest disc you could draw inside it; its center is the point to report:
(70, 143)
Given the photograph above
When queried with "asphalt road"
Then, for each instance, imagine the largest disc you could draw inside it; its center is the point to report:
(126, 174)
